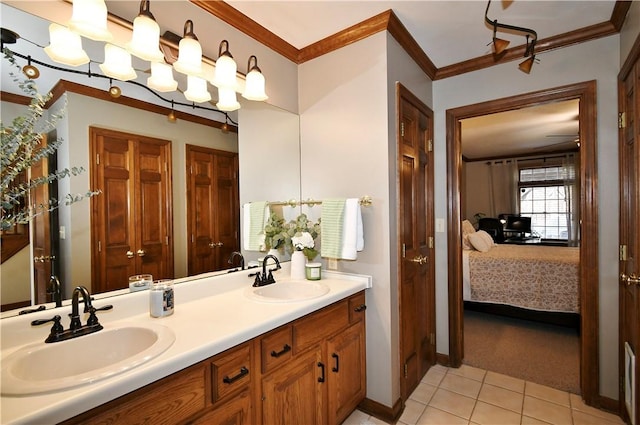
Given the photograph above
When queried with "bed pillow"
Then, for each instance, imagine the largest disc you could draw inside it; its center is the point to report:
(467, 229)
(481, 240)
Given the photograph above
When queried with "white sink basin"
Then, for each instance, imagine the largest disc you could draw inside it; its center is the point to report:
(39, 368)
(288, 291)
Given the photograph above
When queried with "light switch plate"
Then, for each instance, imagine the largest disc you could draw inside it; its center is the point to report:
(440, 225)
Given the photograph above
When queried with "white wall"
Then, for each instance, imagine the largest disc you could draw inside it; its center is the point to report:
(629, 31)
(560, 67)
(347, 110)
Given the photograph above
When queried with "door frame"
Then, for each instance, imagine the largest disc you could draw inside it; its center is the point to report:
(585, 92)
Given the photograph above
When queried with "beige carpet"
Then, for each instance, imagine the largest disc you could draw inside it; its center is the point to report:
(544, 354)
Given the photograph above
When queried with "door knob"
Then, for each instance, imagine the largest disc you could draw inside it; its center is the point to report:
(631, 279)
(215, 244)
(140, 253)
(420, 259)
(130, 254)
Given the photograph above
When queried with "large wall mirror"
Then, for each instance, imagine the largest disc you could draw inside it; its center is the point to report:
(263, 131)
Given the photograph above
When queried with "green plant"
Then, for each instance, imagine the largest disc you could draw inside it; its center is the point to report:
(21, 147)
(301, 234)
(274, 234)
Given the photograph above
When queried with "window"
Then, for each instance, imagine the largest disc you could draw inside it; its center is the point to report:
(545, 194)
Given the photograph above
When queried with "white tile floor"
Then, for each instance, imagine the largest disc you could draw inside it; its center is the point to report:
(471, 396)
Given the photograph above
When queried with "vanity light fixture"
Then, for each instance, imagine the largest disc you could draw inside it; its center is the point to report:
(65, 46)
(197, 89)
(117, 63)
(161, 78)
(89, 19)
(227, 100)
(226, 68)
(500, 45)
(254, 86)
(145, 40)
(189, 52)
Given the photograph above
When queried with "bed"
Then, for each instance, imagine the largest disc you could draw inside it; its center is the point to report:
(542, 279)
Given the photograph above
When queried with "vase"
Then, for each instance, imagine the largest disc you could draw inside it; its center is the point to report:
(298, 262)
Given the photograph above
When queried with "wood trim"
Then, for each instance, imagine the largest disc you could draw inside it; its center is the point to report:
(443, 359)
(586, 93)
(350, 35)
(243, 23)
(63, 86)
(380, 411)
(16, 305)
(581, 35)
(15, 98)
(389, 21)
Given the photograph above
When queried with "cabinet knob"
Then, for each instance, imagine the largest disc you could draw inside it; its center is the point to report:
(141, 253)
(360, 308)
(130, 254)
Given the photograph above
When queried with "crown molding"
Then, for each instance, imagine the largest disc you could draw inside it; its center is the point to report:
(388, 21)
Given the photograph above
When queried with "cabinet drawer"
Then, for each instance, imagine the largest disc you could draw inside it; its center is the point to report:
(276, 348)
(357, 307)
(317, 327)
(230, 372)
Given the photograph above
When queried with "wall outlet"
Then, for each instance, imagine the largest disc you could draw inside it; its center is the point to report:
(332, 264)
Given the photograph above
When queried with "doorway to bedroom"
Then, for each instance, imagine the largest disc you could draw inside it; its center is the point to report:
(530, 219)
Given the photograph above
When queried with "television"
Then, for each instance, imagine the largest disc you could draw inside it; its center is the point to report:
(518, 224)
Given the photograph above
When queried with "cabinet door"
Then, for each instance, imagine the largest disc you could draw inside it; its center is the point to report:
(293, 394)
(346, 369)
(237, 411)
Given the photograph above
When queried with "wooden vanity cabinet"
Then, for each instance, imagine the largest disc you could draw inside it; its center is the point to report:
(310, 371)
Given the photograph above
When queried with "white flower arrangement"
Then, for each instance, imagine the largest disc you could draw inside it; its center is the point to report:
(302, 240)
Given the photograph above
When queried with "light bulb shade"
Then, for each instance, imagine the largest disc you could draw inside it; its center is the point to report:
(499, 45)
(146, 39)
(525, 66)
(65, 46)
(117, 63)
(227, 99)
(225, 74)
(189, 52)
(197, 90)
(162, 77)
(254, 86)
(89, 19)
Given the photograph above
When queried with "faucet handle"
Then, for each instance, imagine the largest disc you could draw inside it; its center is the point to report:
(56, 329)
(93, 319)
(257, 281)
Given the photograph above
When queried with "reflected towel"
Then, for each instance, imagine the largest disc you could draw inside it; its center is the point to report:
(255, 215)
(331, 227)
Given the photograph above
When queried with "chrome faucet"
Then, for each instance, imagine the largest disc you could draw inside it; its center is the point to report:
(76, 328)
(235, 254)
(266, 279)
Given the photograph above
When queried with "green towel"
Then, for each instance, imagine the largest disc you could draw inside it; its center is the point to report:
(256, 224)
(331, 227)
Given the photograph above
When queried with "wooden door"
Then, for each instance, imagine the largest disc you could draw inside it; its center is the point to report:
(131, 218)
(416, 230)
(41, 241)
(346, 365)
(629, 266)
(295, 394)
(212, 208)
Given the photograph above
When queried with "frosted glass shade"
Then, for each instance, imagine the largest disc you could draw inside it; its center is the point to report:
(146, 39)
(197, 90)
(225, 74)
(89, 19)
(65, 46)
(117, 63)
(162, 77)
(227, 99)
(189, 57)
(254, 86)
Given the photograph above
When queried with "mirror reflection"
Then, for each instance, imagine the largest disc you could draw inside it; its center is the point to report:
(171, 191)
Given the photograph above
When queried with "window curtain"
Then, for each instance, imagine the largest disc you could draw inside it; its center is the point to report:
(503, 188)
(572, 190)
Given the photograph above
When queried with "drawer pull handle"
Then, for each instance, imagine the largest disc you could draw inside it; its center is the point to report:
(284, 350)
(243, 372)
(336, 368)
(321, 366)
(361, 307)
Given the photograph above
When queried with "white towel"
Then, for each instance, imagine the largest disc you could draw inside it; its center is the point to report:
(353, 235)
(253, 230)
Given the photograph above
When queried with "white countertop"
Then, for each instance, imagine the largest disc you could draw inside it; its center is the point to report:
(211, 315)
